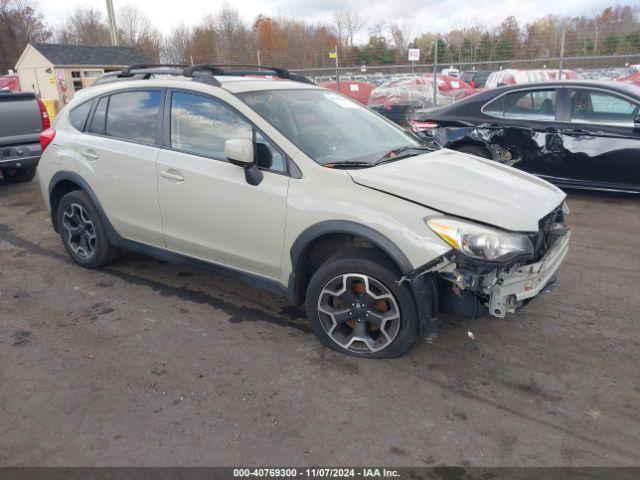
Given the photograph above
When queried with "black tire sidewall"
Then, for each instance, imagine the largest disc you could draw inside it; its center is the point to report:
(408, 332)
(104, 250)
(19, 175)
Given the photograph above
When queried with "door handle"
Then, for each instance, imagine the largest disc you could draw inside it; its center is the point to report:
(174, 177)
(88, 154)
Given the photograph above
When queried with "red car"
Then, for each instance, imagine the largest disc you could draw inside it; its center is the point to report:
(359, 91)
(634, 78)
(506, 77)
(398, 100)
(10, 82)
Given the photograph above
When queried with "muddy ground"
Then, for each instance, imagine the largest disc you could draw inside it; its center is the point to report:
(145, 363)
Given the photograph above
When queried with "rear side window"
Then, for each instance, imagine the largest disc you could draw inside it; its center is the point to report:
(78, 116)
(99, 119)
(595, 106)
(134, 115)
(526, 105)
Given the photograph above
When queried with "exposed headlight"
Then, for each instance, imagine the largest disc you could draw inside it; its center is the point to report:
(480, 242)
(565, 209)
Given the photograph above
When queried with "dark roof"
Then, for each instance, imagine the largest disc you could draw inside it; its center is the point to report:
(89, 55)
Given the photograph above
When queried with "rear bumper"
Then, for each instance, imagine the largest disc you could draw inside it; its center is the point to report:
(526, 282)
(20, 156)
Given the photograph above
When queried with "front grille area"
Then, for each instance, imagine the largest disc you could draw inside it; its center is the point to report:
(541, 240)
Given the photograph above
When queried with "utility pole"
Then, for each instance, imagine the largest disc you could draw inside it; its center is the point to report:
(435, 72)
(337, 71)
(561, 64)
(113, 31)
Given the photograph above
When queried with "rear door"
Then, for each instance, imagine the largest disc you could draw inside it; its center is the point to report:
(520, 129)
(120, 148)
(600, 139)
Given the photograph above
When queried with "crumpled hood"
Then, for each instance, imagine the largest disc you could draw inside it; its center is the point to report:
(466, 186)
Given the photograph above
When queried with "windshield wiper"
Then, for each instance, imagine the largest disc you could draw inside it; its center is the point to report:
(402, 152)
(348, 165)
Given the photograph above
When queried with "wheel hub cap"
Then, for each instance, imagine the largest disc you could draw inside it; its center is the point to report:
(359, 313)
(81, 233)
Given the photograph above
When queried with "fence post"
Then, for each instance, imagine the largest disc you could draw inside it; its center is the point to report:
(561, 63)
(435, 72)
(337, 71)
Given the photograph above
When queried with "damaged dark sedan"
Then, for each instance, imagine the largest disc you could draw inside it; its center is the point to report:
(576, 134)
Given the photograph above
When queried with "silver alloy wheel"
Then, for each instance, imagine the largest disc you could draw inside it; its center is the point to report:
(359, 313)
(81, 233)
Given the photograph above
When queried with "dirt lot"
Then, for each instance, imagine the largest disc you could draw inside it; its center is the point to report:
(145, 363)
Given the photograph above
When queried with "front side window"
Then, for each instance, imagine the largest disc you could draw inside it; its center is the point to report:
(133, 115)
(329, 128)
(595, 106)
(526, 105)
(268, 156)
(201, 125)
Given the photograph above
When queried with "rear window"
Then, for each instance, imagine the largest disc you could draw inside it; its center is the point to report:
(78, 116)
(134, 115)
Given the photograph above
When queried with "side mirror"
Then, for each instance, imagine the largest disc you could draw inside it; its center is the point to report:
(240, 152)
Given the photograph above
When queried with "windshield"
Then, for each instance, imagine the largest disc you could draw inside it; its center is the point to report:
(328, 127)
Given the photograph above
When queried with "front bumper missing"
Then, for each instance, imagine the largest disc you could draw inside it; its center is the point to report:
(527, 281)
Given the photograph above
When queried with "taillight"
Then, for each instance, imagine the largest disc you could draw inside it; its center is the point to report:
(46, 121)
(46, 137)
(418, 126)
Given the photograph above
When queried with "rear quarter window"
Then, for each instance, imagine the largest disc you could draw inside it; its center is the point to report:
(78, 116)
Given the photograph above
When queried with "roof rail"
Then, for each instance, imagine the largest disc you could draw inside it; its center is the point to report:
(202, 72)
(258, 69)
(126, 71)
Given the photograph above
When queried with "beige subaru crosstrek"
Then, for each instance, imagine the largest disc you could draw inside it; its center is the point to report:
(301, 191)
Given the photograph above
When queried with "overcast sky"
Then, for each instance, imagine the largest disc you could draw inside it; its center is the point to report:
(420, 15)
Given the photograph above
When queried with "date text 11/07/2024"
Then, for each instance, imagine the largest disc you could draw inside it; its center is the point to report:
(316, 472)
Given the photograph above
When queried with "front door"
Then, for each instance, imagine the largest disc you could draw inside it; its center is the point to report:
(601, 142)
(209, 211)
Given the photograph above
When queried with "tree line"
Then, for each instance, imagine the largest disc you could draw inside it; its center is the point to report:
(225, 37)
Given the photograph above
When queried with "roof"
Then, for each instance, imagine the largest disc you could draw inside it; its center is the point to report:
(231, 84)
(89, 55)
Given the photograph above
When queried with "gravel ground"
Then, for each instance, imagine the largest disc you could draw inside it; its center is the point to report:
(146, 363)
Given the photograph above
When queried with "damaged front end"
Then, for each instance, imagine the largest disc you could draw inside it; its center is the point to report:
(516, 267)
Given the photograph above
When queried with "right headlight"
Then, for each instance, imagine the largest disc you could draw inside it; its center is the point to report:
(480, 242)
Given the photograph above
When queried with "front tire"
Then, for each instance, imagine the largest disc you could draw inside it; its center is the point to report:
(356, 306)
(82, 232)
(18, 175)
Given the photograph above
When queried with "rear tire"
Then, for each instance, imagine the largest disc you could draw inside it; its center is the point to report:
(475, 150)
(82, 231)
(18, 175)
(356, 306)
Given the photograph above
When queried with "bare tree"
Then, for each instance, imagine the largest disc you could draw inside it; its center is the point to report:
(20, 23)
(136, 30)
(85, 26)
(178, 45)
